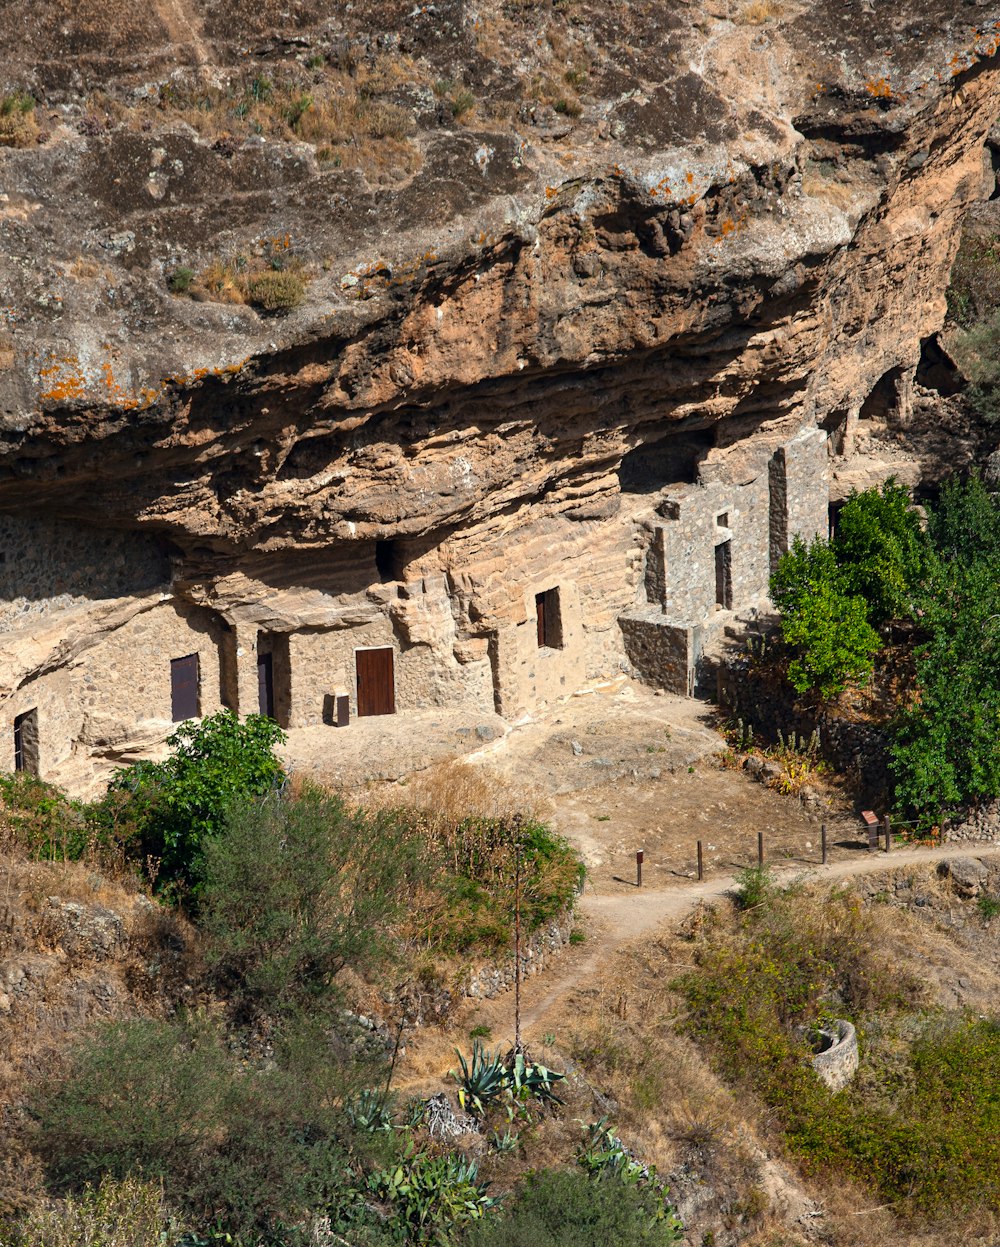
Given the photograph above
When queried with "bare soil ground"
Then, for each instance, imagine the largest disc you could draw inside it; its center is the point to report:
(615, 768)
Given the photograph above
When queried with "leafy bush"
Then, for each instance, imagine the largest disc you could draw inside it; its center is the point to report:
(826, 626)
(295, 889)
(432, 1196)
(946, 737)
(472, 903)
(879, 549)
(754, 886)
(565, 1208)
(177, 804)
(181, 279)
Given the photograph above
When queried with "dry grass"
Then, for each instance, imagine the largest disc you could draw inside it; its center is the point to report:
(759, 12)
(454, 790)
(18, 127)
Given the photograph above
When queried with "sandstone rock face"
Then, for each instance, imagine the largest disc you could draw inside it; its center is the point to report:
(544, 344)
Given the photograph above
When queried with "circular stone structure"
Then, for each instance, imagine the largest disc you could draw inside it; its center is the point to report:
(836, 1060)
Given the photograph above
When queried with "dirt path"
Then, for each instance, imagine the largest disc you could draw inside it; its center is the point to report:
(182, 27)
(617, 919)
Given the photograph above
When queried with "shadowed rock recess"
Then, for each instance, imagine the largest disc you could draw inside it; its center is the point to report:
(593, 302)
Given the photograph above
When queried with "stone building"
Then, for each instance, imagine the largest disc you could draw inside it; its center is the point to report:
(107, 640)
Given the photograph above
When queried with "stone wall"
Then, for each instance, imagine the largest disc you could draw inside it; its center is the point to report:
(118, 688)
(661, 653)
(837, 1062)
(49, 565)
(799, 492)
(758, 694)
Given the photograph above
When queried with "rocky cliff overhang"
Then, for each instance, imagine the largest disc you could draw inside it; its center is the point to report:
(745, 228)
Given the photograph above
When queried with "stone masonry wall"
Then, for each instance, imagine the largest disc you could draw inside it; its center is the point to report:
(799, 492)
(118, 689)
(48, 565)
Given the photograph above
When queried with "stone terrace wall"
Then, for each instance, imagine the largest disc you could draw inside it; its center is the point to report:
(758, 695)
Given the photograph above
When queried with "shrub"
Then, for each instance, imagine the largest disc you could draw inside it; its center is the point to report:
(295, 889)
(181, 279)
(977, 351)
(754, 886)
(879, 548)
(275, 291)
(250, 1149)
(18, 127)
(118, 1213)
(565, 1208)
(178, 803)
(825, 626)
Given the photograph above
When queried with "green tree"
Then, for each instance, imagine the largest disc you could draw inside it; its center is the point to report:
(880, 548)
(965, 523)
(179, 803)
(295, 889)
(825, 626)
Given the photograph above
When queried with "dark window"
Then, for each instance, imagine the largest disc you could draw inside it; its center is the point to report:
(549, 619)
(376, 683)
(184, 688)
(265, 684)
(834, 511)
(386, 560)
(26, 742)
(722, 520)
(724, 575)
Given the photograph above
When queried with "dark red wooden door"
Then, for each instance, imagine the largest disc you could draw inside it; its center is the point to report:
(184, 688)
(265, 684)
(376, 684)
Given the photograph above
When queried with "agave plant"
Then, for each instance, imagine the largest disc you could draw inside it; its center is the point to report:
(370, 1111)
(504, 1144)
(529, 1078)
(483, 1078)
(602, 1154)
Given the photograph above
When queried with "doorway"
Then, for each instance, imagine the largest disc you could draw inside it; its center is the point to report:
(184, 681)
(376, 681)
(274, 677)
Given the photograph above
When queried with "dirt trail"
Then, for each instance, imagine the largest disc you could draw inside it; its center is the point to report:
(617, 919)
(182, 27)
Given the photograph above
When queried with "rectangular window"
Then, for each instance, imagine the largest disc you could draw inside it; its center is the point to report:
(26, 742)
(724, 575)
(184, 682)
(548, 616)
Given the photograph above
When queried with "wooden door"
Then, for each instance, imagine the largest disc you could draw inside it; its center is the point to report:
(540, 620)
(184, 688)
(376, 684)
(265, 684)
